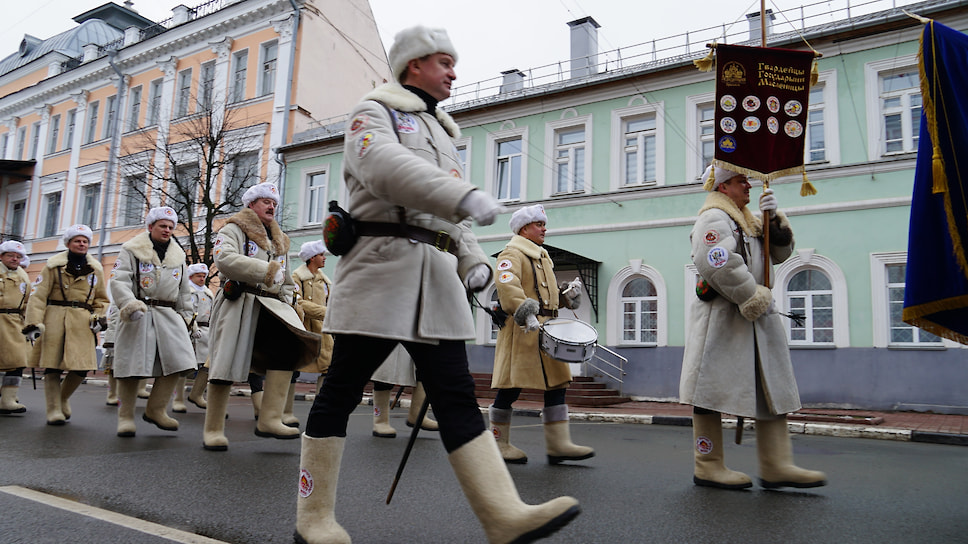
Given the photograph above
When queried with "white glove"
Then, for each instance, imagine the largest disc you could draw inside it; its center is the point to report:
(768, 202)
(574, 288)
(279, 277)
(97, 325)
(32, 333)
(531, 324)
(477, 277)
(136, 315)
(481, 206)
(196, 334)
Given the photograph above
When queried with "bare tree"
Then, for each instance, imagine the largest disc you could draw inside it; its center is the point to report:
(201, 168)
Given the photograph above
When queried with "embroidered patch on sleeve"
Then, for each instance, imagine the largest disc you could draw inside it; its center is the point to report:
(711, 237)
(505, 277)
(359, 123)
(364, 143)
(504, 264)
(717, 257)
(406, 123)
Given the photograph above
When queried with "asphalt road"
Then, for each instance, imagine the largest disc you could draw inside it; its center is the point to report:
(80, 483)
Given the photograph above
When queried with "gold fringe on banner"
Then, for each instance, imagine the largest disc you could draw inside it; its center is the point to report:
(814, 73)
(807, 188)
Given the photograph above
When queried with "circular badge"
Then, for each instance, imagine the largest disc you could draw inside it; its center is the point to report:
(793, 108)
(717, 257)
(147, 282)
(751, 103)
(704, 445)
(505, 264)
(728, 124)
(727, 144)
(23, 287)
(305, 483)
(793, 129)
(727, 102)
(773, 104)
(773, 125)
(92, 280)
(176, 273)
(251, 248)
(751, 124)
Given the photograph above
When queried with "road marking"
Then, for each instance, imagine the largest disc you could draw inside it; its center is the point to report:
(147, 527)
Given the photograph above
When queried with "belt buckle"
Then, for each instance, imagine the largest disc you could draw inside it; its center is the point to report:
(442, 235)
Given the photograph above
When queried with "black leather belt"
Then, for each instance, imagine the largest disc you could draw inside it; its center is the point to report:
(259, 292)
(11, 311)
(71, 304)
(439, 239)
(162, 303)
(203, 323)
(547, 313)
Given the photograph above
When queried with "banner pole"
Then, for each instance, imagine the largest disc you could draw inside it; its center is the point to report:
(766, 183)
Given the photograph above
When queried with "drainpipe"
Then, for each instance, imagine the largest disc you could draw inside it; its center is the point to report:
(285, 118)
(112, 152)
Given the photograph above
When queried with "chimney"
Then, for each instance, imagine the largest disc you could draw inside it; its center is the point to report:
(755, 30)
(584, 47)
(513, 81)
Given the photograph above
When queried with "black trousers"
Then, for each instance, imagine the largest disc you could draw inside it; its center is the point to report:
(442, 368)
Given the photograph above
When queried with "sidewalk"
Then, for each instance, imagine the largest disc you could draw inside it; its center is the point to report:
(903, 426)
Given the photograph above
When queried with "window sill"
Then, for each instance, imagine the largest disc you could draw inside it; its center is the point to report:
(917, 347)
(813, 346)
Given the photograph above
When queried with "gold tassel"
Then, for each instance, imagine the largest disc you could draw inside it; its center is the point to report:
(807, 188)
(937, 171)
(814, 73)
(705, 64)
(710, 180)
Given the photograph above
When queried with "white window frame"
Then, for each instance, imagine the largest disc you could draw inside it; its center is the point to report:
(694, 160)
(21, 142)
(54, 133)
(33, 152)
(880, 305)
(614, 323)
(70, 127)
(206, 86)
(83, 191)
(239, 78)
(490, 173)
(90, 132)
(45, 215)
(875, 119)
(183, 93)
(129, 196)
(552, 129)
(12, 228)
(134, 108)
(803, 259)
(153, 113)
(267, 68)
(619, 118)
(465, 145)
(111, 112)
(4, 144)
(319, 192)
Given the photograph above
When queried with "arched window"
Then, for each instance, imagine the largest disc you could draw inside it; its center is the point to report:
(637, 307)
(810, 294)
(640, 308)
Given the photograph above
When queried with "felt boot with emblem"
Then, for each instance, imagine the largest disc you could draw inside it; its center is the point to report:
(500, 419)
(710, 469)
(319, 462)
(381, 415)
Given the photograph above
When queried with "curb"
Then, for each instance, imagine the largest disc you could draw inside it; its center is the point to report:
(796, 427)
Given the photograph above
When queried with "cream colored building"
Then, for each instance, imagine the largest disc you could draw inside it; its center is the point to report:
(119, 80)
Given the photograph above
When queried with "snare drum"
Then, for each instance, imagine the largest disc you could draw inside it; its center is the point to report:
(568, 340)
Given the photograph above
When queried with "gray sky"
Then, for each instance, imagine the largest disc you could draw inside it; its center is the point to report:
(497, 35)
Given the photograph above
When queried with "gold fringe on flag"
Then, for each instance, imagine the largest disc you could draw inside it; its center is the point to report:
(814, 73)
(807, 188)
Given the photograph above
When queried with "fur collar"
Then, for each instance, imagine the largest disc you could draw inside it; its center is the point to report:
(529, 248)
(744, 217)
(144, 250)
(61, 260)
(251, 225)
(398, 98)
(302, 274)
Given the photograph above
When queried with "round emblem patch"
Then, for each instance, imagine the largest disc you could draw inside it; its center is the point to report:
(773, 125)
(711, 237)
(793, 129)
(305, 483)
(727, 102)
(773, 104)
(728, 124)
(23, 287)
(406, 123)
(751, 124)
(793, 108)
(145, 268)
(364, 143)
(359, 123)
(727, 144)
(176, 273)
(717, 257)
(496, 432)
(147, 281)
(251, 248)
(751, 103)
(505, 264)
(704, 445)
(505, 277)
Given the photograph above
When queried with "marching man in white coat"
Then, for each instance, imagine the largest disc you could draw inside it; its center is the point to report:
(202, 299)
(14, 292)
(736, 358)
(254, 323)
(405, 282)
(150, 286)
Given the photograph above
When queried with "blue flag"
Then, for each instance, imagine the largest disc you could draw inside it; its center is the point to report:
(936, 286)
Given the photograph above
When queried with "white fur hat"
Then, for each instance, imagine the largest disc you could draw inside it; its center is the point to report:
(712, 177)
(13, 246)
(78, 230)
(417, 42)
(197, 268)
(526, 215)
(311, 249)
(163, 212)
(261, 190)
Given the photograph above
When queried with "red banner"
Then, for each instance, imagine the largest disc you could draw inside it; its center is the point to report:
(761, 109)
